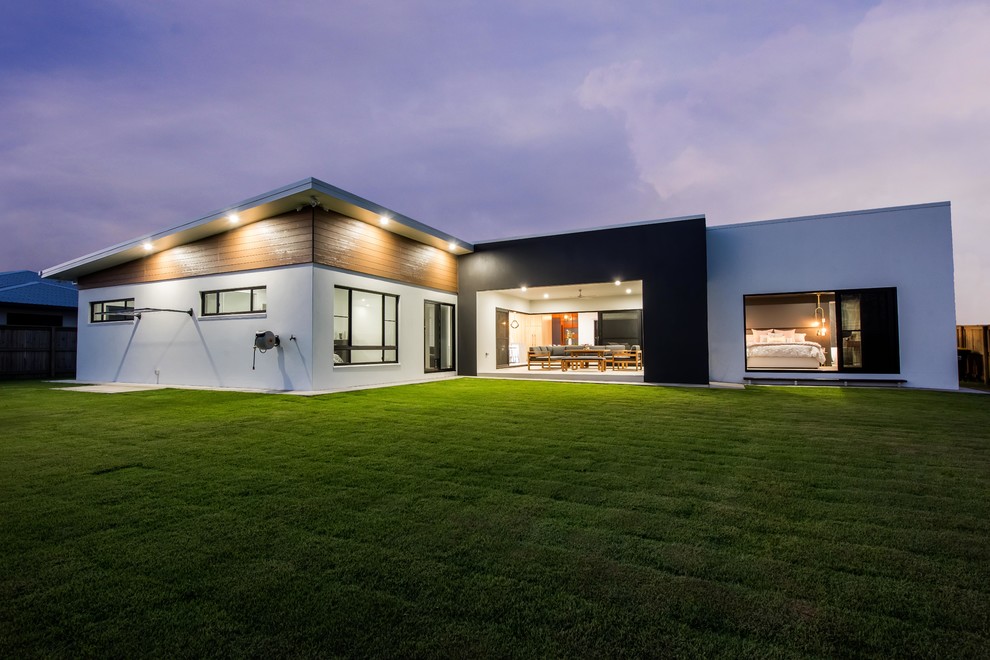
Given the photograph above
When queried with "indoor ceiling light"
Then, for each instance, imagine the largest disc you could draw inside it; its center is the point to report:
(628, 290)
(383, 220)
(452, 246)
(147, 246)
(618, 282)
(546, 295)
(233, 218)
(523, 289)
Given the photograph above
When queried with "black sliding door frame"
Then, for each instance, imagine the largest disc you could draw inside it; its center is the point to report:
(435, 332)
(878, 330)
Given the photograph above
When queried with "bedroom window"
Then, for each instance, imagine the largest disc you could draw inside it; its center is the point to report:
(235, 301)
(365, 327)
(105, 311)
(853, 330)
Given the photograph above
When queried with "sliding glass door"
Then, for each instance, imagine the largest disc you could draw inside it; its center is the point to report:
(868, 331)
(439, 336)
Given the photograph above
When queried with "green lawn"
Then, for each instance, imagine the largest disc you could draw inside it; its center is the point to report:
(496, 518)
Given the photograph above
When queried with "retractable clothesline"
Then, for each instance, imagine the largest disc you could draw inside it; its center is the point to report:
(145, 310)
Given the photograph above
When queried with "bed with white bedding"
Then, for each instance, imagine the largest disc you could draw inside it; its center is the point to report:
(782, 349)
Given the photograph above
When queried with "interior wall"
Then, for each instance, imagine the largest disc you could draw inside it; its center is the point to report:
(783, 316)
(586, 327)
(485, 304)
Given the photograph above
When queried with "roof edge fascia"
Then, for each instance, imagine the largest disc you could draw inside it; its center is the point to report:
(823, 216)
(417, 230)
(624, 225)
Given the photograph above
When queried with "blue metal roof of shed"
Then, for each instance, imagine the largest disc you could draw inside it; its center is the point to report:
(25, 287)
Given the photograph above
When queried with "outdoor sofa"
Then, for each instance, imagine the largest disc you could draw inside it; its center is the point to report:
(617, 356)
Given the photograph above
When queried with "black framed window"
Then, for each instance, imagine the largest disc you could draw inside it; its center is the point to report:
(438, 323)
(365, 327)
(234, 301)
(848, 330)
(104, 311)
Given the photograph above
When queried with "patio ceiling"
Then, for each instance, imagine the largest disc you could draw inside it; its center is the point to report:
(579, 291)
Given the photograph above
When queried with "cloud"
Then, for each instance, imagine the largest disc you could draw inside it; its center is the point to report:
(489, 119)
(895, 110)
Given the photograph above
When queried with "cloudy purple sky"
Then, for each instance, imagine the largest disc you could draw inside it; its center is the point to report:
(492, 119)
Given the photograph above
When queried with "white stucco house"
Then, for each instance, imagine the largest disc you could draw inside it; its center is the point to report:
(359, 295)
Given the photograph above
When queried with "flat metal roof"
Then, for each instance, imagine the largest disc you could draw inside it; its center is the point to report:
(700, 216)
(821, 216)
(307, 192)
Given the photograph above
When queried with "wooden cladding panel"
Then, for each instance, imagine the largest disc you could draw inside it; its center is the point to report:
(340, 242)
(349, 244)
(280, 241)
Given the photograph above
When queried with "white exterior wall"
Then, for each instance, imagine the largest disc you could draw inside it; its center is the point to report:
(909, 248)
(216, 351)
(412, 346)
(213, 351)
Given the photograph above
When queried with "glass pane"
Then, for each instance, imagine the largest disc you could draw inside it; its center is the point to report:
(341, 316)
(340, 329)
(390, 334)
(391, 308)
(210, 303)
(391, 356)
(852, 338)
(429, 325)
(260, 300)
(447, 337)
(359, 357)
(790, 332)
(235, 301)
(117, 306)
(366, 320)
(340, 307)
(621, 328)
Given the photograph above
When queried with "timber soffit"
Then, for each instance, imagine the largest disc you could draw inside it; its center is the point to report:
(304, 193)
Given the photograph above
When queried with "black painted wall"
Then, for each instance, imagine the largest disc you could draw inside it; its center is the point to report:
(669, 257)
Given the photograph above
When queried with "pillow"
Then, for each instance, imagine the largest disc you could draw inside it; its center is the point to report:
(777, 339)
(800, 336)
(786, 333)
(762, 333)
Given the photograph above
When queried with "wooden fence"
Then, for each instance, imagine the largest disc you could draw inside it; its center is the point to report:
(973, 344)
(37, 352)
